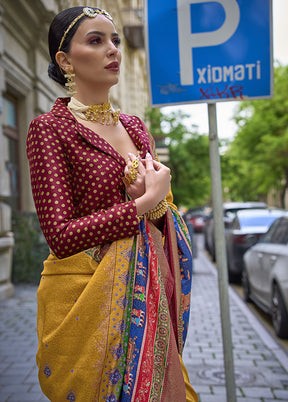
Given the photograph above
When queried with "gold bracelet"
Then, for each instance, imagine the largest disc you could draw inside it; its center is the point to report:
(158, 211)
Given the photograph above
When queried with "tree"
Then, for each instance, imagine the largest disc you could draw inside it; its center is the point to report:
(257, 160)
(189, 157)
(189, 161)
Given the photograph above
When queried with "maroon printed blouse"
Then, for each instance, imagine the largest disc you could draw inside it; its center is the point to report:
(76, 179)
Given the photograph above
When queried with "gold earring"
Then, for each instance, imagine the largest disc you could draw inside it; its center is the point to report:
(70, 84)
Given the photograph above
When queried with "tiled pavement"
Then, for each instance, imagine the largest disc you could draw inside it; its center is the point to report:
(18, 345)
(261, 365)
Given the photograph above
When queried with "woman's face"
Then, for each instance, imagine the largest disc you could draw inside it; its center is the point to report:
(94, 53)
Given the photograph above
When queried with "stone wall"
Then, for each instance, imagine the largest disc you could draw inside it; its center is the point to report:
(24, 60)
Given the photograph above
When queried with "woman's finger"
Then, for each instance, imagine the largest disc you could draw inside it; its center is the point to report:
(149, 163)
(157, 165)
(126, 169)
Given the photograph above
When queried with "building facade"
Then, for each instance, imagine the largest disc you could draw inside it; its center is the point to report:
(26, 91)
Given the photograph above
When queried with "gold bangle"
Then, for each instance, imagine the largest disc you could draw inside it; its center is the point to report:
(158, 211)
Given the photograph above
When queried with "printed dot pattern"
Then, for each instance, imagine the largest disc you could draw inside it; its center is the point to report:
(76, 179)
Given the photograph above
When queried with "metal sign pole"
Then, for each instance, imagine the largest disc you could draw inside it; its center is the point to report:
(221, 252)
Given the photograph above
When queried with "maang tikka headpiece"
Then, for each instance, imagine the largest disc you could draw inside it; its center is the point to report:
(88, 12)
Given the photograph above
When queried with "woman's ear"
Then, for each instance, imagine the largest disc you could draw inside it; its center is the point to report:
(63, 61)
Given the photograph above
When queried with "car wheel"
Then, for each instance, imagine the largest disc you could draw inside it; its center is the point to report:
(246, 286)
(279, 313)
(232, 277)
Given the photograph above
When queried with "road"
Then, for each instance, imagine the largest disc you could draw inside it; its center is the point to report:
(261, 316)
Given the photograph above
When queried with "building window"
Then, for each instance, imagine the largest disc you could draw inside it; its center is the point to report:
(10, 130)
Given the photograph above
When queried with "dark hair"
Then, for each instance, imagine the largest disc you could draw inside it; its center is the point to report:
(57, 28)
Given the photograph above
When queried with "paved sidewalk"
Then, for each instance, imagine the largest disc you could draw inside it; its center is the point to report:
(18, 346)
(261, 365)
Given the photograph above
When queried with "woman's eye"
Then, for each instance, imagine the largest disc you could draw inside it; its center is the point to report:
(95, 41)
(117, 42)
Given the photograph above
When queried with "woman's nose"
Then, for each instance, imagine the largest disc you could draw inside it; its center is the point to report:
(113, 49)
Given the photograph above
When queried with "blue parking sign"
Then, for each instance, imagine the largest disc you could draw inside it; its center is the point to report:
(209, 51)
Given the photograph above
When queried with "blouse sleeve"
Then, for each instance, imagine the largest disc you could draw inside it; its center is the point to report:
(50, 174)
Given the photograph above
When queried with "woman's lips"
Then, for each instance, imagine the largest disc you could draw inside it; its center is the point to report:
(114, 66)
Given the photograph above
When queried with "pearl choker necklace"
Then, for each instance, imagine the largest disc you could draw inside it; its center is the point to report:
(103, 113)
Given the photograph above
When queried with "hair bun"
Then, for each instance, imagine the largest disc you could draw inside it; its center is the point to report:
(55, 73)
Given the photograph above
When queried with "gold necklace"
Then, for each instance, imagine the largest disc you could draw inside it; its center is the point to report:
(103, 113)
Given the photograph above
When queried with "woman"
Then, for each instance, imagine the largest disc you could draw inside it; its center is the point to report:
(113, 301)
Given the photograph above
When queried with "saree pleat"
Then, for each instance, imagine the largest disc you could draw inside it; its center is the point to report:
(112, 321)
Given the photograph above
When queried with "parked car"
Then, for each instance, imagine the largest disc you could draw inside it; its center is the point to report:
(265, 275)
(229, 211)
(245, 231)
(197, 217)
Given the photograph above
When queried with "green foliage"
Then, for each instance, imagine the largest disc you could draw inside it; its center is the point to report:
(257, 159)
(189, 160)
(174, 127)
(189, 157)
(30, 248)
(155, 118)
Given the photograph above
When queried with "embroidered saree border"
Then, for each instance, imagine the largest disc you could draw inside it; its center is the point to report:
(118, 332)
(186, 268)
(151, 371)
(148, 339)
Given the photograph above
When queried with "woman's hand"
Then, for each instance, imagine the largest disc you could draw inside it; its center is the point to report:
(157, 183)
(157, 179)
(137, 187)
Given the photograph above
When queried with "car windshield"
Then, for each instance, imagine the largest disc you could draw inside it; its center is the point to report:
(278, 232)
(250, 221)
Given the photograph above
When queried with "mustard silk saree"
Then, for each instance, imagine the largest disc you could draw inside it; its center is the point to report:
(112, 321)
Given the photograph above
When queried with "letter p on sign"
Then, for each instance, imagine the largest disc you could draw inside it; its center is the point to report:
(188, 41)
